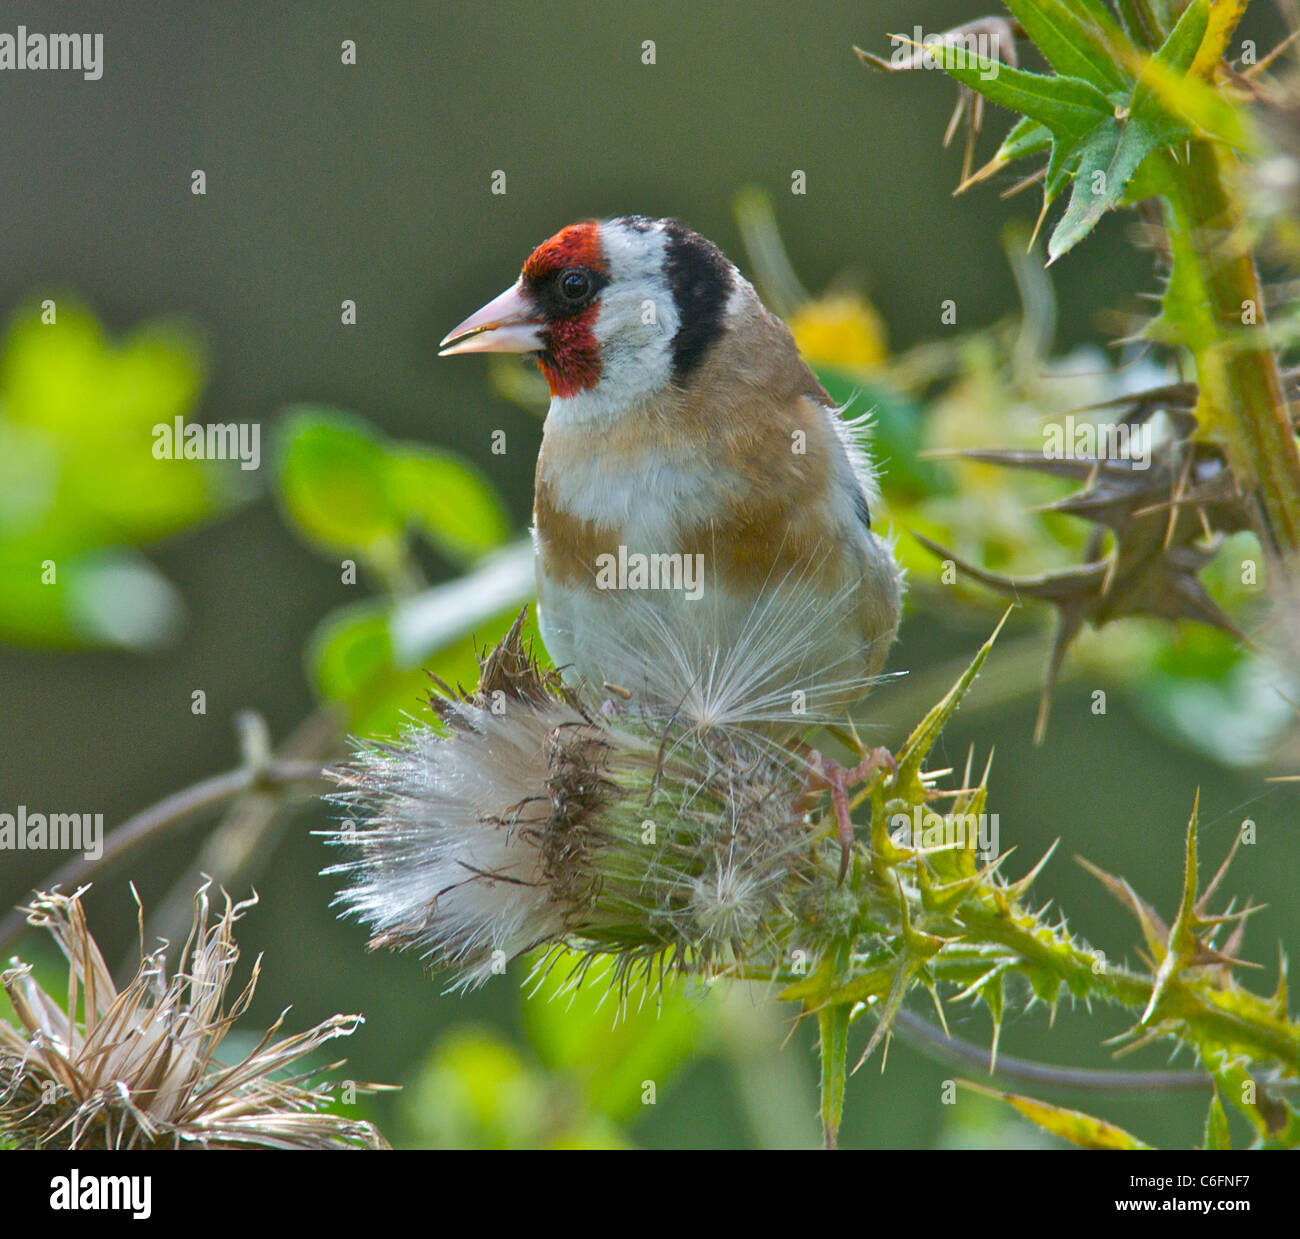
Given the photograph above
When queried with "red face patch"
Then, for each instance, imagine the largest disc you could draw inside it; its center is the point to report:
(570, 361)
(578, 245)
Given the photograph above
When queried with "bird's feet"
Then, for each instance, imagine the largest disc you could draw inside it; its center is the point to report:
(827, 773)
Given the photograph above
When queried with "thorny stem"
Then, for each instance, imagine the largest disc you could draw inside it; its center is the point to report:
(1241, 396)
(1267, 1038)
(918, 1031)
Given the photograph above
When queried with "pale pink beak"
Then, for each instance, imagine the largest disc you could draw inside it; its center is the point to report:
(507, 324)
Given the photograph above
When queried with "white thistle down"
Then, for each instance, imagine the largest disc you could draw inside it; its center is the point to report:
(774, 674)
(646, 833)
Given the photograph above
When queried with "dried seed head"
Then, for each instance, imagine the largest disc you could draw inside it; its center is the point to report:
(139, 1068)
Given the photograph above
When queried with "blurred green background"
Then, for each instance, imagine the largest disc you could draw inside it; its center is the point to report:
(372, 182)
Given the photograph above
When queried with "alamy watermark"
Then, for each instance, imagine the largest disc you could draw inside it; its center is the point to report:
(924, 828)
(1083, 440)
(181, 440)
(52, 832)
(121, 1193)
(27, 50)
(937, 51)
(636, 570)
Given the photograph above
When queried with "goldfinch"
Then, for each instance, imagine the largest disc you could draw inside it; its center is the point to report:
(702, 512)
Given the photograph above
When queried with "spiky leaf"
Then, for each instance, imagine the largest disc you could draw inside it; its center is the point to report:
(1070, 107)
(1077, 39)
(1072, 1125)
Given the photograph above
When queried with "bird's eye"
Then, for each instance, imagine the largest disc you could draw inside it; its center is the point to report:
(575, 285)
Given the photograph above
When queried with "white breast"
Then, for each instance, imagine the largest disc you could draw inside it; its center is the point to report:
(646, 506)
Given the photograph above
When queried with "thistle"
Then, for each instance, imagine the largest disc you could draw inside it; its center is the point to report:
(140, 1069)
(532, 818)
(1142, 108)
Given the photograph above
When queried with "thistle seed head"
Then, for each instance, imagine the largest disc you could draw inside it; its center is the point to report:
(532, 818)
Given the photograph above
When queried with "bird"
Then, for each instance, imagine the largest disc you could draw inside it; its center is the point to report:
(703, 513)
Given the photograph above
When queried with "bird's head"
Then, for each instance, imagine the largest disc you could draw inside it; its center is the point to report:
(615, 310)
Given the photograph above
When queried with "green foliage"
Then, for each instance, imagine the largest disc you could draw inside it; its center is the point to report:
(1126, 125)
(1073, 1125)
(1076, 39)
(81, 491)
(592, 1067)
(348, 489)
(477, 1091)
(1139, 107)
(334, 482)
(1103, 124)
(609, 1049)
(937, 914)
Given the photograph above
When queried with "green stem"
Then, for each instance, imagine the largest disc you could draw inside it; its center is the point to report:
(833, 1026)
(1267, 1037)
(1214, 282)
(1194, 1006)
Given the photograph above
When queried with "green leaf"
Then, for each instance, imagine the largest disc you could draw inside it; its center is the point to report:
(927, 731)
(71, 379)
(1133, 26)
(347, 488)
(1217, 1135)
(477, 1091)
(81, 416)
(1180, 48)
(1117, 147)
(350, 649)
(97, 598)
(833, 1044)
(453, 504)
(333, 480)
(610, 1055)
(1170, 85)
(1027, 137)
(1077, 40)
(355, 658)
(350, 663)
(1068, 106)
(1175, 55)
(1107, 162)
(1072, 1125)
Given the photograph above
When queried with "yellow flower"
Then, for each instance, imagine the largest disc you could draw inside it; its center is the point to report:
(840, 330)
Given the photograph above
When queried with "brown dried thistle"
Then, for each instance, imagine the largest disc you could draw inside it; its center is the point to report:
(139, 1068)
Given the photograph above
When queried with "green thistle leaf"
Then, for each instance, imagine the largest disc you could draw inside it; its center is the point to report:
(1027, 137)
(927, 731)
(1070, 107)
(1115, 150)
(1077, 39)
(1072, 1125)
(1217, 1135)
(1109, 157)
(833, 1034)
